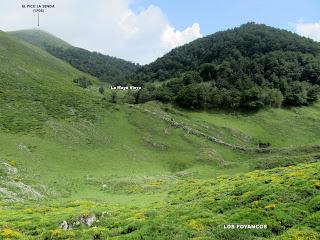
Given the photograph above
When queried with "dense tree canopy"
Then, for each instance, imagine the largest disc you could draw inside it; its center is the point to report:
(249, 67)
(106, 68)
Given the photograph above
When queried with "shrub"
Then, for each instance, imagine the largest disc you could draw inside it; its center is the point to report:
(101, 90)
(82, 82)
(113, 97)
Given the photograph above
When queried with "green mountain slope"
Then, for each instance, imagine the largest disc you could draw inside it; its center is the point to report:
(245, 68)
(106, 68)
(40, 38)
(66, 135)
(36, 87)
(152, 171)
(246, 41)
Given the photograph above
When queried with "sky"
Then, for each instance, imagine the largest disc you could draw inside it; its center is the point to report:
(143, 30)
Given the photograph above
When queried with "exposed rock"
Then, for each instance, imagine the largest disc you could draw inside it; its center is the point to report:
(64, 225)
(7, 168)
(182, 174)
(11, 189)
(7, 195)
(23, 147)
(86, 220)
(90, 220)
(26, 189)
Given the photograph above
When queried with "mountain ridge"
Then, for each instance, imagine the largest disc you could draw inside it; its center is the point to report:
(211, 38)
(39, 38)
(108, 69)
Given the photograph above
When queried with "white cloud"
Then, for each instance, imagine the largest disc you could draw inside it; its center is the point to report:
(310, 30)
(108, 26)
(172, 38)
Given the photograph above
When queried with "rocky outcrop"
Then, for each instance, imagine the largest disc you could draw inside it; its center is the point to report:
(82, 220)
(12, 189)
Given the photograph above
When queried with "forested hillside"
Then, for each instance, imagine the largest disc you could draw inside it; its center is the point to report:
(249, 67)
(106, 68)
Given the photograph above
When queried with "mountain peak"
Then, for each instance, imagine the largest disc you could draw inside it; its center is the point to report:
(40, 38)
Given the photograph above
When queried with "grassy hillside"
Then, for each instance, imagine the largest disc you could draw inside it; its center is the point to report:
(40, 38)
(106, 68)
(66, 135)
(36, 87)
(147, 171)
(279, 127)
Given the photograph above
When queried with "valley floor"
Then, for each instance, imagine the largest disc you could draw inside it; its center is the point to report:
(140, 172)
